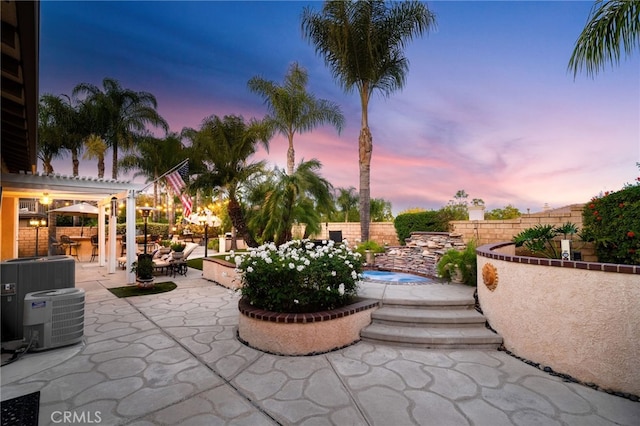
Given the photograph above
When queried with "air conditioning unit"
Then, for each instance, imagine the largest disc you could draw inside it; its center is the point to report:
(53, 318)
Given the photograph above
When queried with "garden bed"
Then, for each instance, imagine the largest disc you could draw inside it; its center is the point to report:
(303, 333)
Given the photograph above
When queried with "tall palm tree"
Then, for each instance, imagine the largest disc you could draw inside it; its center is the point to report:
(362, 42)
(293, 198)
(151, 157)
(347, 199)
(613, 26)
(52, 128)
(220, 153)
(95, 148)
(120, 115)
(294, 110)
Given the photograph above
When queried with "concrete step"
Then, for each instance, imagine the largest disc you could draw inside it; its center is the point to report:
(412, 317)
(432, 337)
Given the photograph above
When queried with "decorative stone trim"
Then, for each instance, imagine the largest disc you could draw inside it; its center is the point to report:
(289, 318)
(488, 251)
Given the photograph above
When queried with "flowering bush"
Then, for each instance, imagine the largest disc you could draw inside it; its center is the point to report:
(612, 222)
(300, 276)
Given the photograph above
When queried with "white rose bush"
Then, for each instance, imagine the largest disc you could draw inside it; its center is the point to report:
(299, 276)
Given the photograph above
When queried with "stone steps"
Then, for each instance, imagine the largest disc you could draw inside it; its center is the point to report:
(435, 324)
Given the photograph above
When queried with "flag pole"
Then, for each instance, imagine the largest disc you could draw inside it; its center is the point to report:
(180, 164)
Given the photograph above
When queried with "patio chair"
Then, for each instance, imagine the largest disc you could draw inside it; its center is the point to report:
(123, 244)
(55, 246)
(71, 245)
(335, 236)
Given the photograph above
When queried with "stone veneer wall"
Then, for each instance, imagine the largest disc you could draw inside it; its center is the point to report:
(421, 253)
(579, 318)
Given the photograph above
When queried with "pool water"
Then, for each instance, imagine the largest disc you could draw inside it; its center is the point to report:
(395, 277)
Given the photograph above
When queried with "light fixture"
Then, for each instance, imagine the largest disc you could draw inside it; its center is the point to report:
(37, 223)
(114, 206)
(45, 199)
(145, 215)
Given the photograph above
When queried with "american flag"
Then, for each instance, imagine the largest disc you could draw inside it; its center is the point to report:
(176, 181)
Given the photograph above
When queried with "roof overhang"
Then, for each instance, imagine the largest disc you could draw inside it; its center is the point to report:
(64, 187)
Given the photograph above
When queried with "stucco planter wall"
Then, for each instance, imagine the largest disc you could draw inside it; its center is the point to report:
(222, 272)
(579, 318)
(303, 334)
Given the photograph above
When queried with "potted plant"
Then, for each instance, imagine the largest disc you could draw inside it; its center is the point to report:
(459, 266)
(143, 269)
(178, 249)
(165, 247)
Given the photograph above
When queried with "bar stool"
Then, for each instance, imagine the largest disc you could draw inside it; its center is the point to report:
(94, 247)
(70, 244)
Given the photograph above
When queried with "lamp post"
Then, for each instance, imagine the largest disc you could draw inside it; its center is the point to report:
(145, 215)
(204, 221)
(37, 223)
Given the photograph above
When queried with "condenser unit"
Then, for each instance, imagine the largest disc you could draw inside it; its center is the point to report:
(53, 318)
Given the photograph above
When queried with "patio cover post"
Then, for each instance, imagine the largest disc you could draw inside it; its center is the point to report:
(101, 234)
(131, 235)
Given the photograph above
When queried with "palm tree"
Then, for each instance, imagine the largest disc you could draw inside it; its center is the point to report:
(292, 198)
(51, 130)
(95, 148)
(151, 157)
(347, 199)
(120, 115)
(220, 153)
(380, 210)
(362, 42)
(613, 26)
(292, 109)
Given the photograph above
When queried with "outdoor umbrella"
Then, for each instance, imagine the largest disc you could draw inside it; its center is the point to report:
(81, 209)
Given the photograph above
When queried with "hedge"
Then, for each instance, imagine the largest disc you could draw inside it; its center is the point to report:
(429, 221)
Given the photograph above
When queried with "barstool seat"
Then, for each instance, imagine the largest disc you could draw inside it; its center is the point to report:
(71, 245)
(94, 247)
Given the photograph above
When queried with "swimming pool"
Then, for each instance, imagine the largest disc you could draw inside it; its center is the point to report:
(395, 277)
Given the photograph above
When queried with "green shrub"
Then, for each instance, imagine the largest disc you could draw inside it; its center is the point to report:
(371, 246)
(429, 221)
(465, 261)
(612, 222)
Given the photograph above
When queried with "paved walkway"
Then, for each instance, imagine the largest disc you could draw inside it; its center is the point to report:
(173, 359)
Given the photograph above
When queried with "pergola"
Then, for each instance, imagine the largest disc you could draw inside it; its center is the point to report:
(106, 192)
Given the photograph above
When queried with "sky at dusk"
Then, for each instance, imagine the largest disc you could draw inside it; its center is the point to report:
(489, 105)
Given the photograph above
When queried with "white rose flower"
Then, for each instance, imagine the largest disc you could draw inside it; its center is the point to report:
(249, 269)
(300, 267)
(333, 273)
(292, 266)
(341, 289)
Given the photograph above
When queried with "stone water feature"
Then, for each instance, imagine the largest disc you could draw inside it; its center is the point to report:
(421, 253)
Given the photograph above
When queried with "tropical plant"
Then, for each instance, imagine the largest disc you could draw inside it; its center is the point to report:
(380, 210)
(119, 116)
(613, 26)
(95, 147)
(54, 120)
(151, 157)
(347, 199)
(539, 240)
(292, 198)
(459, 264)
(299, 276)
(294, 110)
(362, 43)
(220, 155)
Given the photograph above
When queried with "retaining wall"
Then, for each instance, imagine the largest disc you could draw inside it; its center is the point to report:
(579, 318)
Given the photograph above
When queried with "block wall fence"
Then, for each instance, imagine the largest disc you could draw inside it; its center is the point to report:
(383, 233)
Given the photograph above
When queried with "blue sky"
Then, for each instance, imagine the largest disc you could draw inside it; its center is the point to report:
(489, 105)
